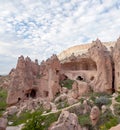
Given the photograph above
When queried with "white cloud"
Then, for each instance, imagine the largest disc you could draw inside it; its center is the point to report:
(38, 28)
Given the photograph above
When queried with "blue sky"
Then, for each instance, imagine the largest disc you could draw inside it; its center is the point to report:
(39, 28)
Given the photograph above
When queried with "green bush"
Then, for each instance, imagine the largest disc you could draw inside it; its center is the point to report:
(67, 83)
(24, 116)
(107, 120)
(84, 121)
(117, 109)
(3, 96)
(118, 98)
(41, 122)
(102, 100)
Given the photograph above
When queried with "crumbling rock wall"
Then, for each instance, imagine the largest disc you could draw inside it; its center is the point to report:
(99, 68)
(31, 80)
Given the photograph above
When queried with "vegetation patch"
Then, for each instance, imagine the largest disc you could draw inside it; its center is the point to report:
(67, 83)
(41, 122)
(107, 120)
(23, 117)
(3, 96)
(102, 100)
(118, 98)
(117, 110)
(84, 120)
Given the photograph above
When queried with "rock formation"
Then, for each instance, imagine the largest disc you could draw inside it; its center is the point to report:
(94, 115)
(116, 59)
(103, 79)
(97, 70)
(31, 80)
(66, 121)
(3, 123)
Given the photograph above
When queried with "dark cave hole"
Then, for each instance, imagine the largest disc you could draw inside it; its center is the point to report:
(19, 99)
(80, 78)
(33, 93)
(57, 72)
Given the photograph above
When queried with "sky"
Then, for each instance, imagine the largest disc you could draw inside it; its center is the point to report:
(40, 28)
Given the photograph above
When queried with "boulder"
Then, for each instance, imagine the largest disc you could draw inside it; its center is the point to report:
(62, 97)
(66, 121)
(12, 110)
(71, 101)
(3, 123)
(94, 115)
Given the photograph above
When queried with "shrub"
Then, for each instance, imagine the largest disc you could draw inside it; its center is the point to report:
(107, 120)
(67, 83)
(117, 109)
(102, 100)
(107, 125)
(118, 98)
(24, 116)
(41, 122)
(84, 121)
(3, 96)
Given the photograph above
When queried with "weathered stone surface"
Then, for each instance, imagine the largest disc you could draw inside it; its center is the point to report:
(66, 121)
(116, 59)
(31, 80)
(94, 115)
(103, 79)
(79, 89)
(12, 110)
(71, 101)
(60, 98)
(93, 68)
(3, 123)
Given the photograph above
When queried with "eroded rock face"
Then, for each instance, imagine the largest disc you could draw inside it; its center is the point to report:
(31, 80)
(3, 123)
(93, 68)
(94, 115)
(79, 89)
(66, 121)
(116, 59)
(103, 79)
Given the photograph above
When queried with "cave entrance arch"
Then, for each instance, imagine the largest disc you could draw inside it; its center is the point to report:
(31, 93)
(80, 78)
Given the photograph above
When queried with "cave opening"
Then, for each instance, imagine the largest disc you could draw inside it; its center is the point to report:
(80, 78)
(57, 72)
(19, 99)
(33, 93)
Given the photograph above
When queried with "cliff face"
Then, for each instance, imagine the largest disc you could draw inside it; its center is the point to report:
(116, 59)
(31, 80)
(97, 69)
(80, 49)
